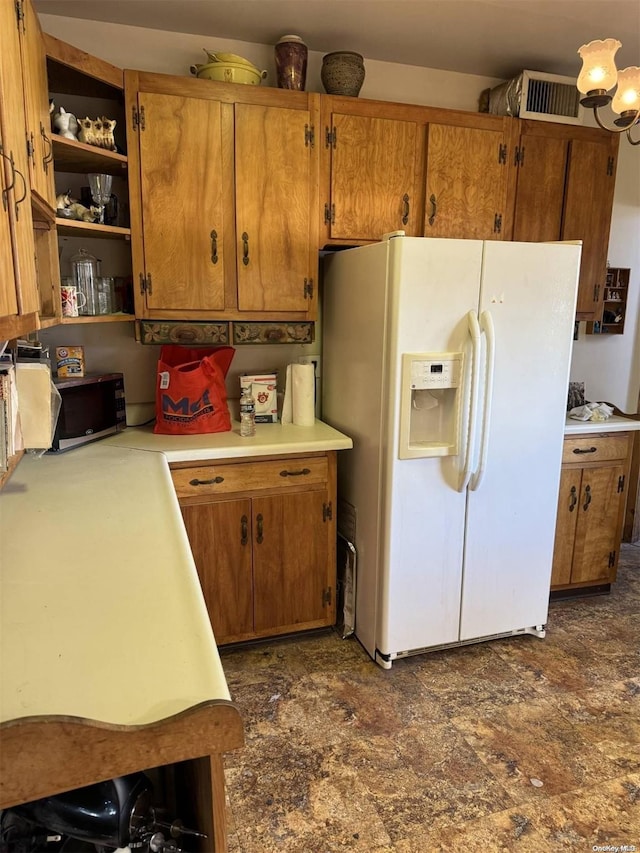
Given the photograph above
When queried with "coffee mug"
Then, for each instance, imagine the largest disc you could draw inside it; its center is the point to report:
(72, 299)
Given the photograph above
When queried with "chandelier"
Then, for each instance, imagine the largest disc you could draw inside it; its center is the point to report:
(599, 75)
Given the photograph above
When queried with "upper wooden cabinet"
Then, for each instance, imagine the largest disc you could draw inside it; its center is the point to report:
(19, 297)
(38, 122)
(565, 178)
(371, 169)
(224, 193)
(466, 177)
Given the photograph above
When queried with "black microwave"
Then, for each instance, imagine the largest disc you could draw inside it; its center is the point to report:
(93, 407)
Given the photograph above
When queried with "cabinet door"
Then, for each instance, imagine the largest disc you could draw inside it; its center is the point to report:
(566, 520)
(290, 560)
(16, 166)
(8, 295)
(587, 216)
(34, 70)
(541, 171)
(276, 234)
(466, 183)
(597, 524)
(181, 202)
(373, 167)
(220, 538)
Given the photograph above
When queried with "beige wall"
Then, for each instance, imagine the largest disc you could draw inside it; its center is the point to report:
(610, 367)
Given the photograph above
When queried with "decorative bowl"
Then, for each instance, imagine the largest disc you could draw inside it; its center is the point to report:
(229, 72)
(227, 57)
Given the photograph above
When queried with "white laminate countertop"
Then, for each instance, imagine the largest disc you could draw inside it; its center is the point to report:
(615, 423)
(101, 614)
(101, 611)
(269, 440)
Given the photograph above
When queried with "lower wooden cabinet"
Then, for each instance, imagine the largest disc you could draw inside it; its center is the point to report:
(595, 471)
(263, 537)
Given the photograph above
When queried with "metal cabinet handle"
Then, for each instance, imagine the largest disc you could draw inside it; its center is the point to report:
(24, 194)
(434, 209)
(245, 248)
(405, 215)
(573, 499)
(48, 157)
(215, 480)
(214, 247)
(259, 537)
(301, 473)
(244, 530)
(7, 190)
(587, 500)
(586, 450)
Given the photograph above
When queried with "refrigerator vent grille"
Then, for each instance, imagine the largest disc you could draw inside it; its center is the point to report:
(536, 95)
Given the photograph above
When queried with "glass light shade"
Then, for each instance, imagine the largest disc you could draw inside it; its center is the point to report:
(598, 65)
(627, 96)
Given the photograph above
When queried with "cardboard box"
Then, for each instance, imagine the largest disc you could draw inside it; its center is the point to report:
(263, 391)
(69, 362)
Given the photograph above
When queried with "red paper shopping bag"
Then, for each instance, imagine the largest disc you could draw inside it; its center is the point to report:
(191, 397)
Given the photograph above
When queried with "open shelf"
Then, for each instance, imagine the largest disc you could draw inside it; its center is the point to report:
(614, 304)
(72, 156)
(77, 228)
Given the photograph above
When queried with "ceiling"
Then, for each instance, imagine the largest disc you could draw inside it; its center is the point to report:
(493, 38)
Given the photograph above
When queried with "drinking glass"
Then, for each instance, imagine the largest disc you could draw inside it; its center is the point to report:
(100, 186)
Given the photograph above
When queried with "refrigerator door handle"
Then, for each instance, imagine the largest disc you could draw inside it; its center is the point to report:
(486, 324)
(474, 331)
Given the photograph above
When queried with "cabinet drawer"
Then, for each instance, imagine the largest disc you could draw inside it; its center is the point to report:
(214, 479)
(592, 448)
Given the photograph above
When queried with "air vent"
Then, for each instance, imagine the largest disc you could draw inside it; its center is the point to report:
(536, 95)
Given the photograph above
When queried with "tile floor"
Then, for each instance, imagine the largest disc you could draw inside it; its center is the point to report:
(518, 744)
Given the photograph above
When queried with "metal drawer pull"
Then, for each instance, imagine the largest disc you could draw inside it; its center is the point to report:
(24, 194)
(574, 499)
(244, 531)
(586, 450)
(299, 473)
(214, 247)
(587, 499)
(206, 482)
(259, 537)
(245, 248)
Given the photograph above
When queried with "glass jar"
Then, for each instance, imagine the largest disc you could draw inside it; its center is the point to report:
(84, 270)
(105, 294)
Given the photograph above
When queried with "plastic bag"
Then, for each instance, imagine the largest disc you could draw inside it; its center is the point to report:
(191, 396)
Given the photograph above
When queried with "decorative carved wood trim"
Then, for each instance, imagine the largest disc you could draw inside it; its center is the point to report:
(273, 333)
(191, 333)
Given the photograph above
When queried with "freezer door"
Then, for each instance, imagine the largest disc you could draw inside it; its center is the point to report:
(529, 291)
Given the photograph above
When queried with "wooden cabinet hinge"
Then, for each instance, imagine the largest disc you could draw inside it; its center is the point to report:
(326, 596)
(329, 138)
(497, 223)
(145, 284)
(327, 511)
(612, 559)
(19, 15)
(502, 154)
(621, 483)
(518, 159)
(329, 214)
(610, 164)
(137, 117)
(309, 136)
(307, 288)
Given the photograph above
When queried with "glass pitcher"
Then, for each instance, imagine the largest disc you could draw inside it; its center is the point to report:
(84, 269)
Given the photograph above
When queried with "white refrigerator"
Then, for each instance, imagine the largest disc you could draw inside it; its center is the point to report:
(447, 362)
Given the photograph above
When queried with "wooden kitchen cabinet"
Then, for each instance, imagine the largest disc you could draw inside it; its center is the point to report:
(262, 533)
(38, 122)
(466, 173)
(564, 183)
(19, 297)
(595, 471)
(224, 193)
(372, 161)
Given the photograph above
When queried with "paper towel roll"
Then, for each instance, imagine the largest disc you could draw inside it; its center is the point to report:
(287, 403)
(303, 382)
